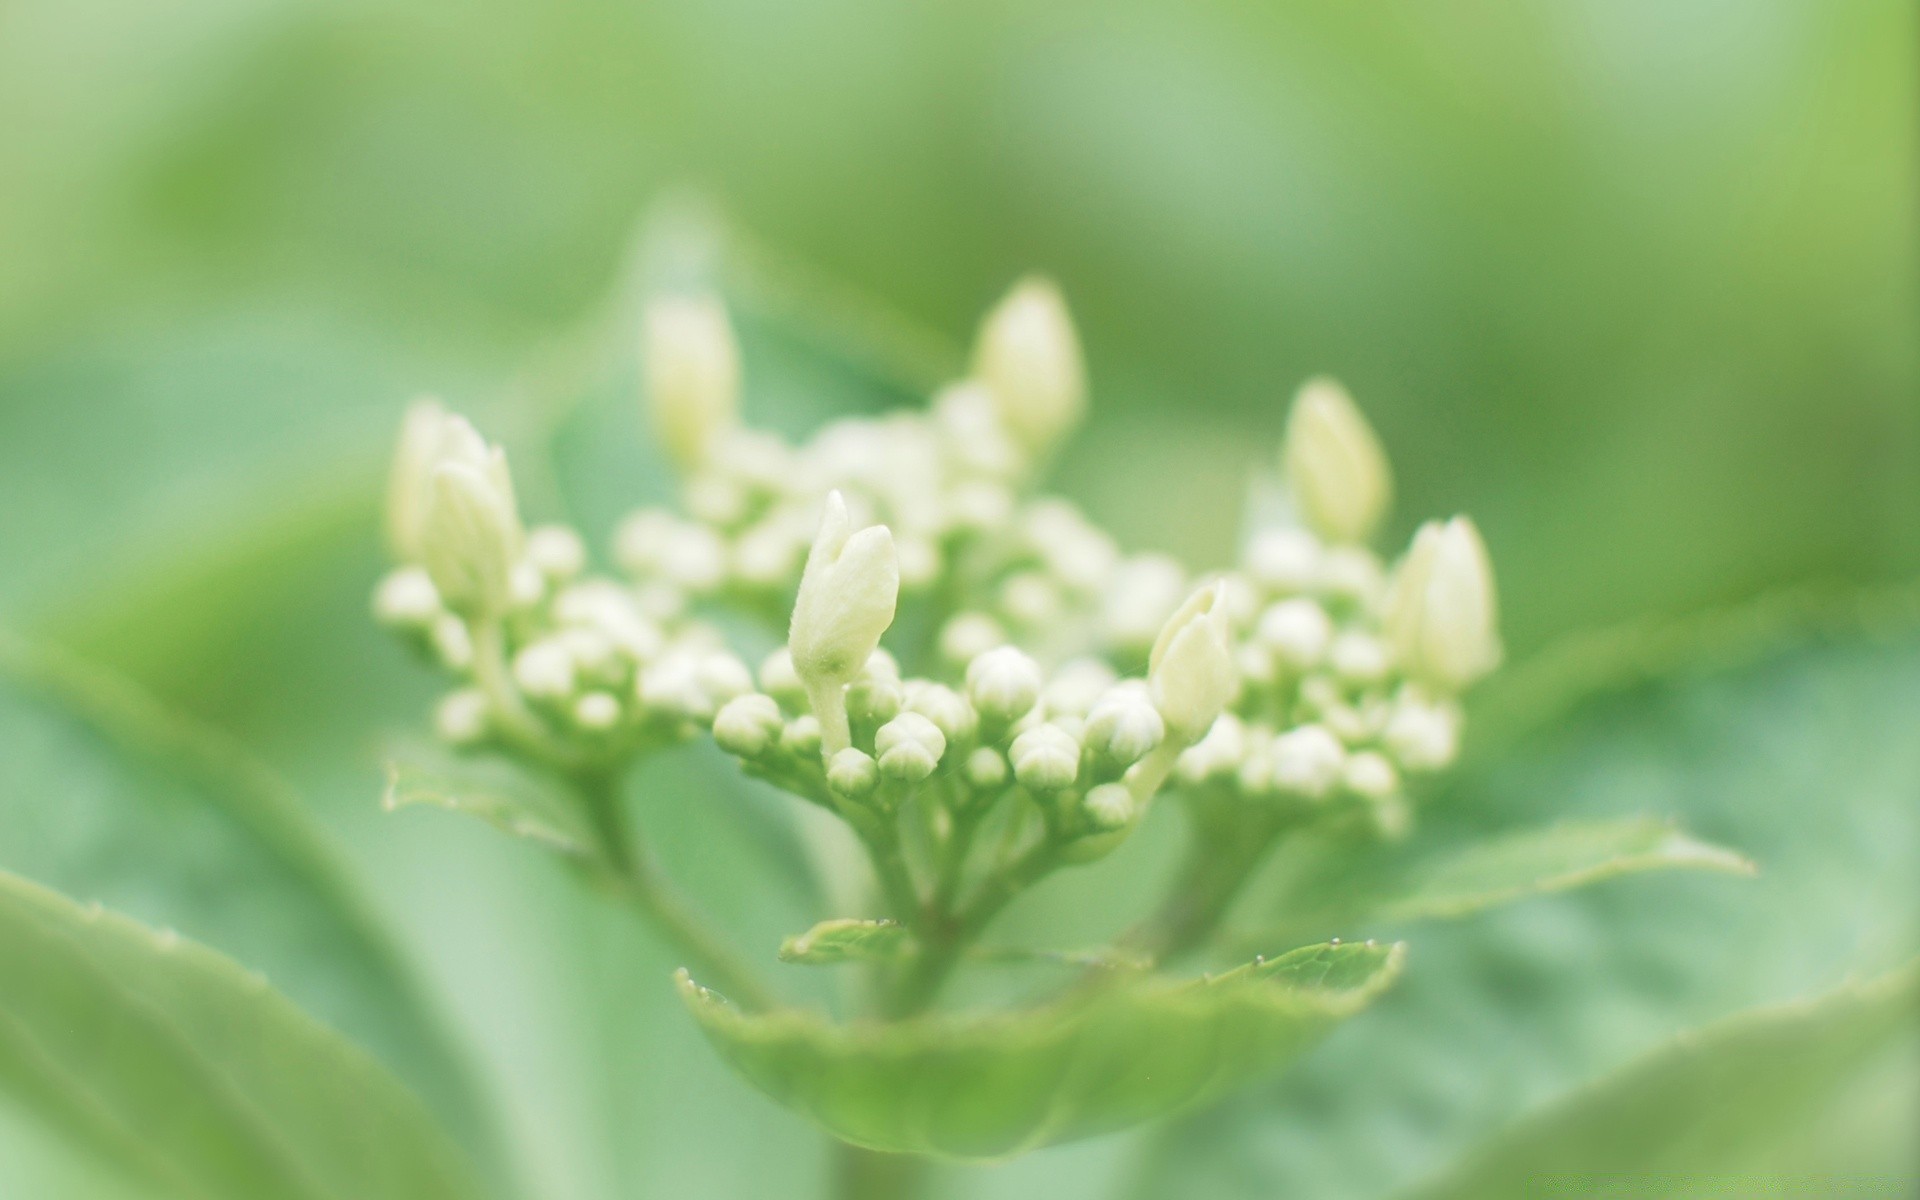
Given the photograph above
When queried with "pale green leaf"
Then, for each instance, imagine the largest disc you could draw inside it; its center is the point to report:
(186, 1069)
(845, 940)
(493, 790)
(986, 1087)
(1703, 1114)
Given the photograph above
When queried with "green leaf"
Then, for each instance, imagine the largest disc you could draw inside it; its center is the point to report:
(110, 798)
(1338, 885)
(845, 940)
(184, 1068)
(989, 1087)
(1704, 1113)
(492, 789)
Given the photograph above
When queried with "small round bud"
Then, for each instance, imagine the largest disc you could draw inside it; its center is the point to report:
(1077, 686)
(461, 717)
(747, 726)
(722, 677)
(1218, 753)
(597, 711)
(946, 708)
(556, 552)
(987, 769)
(909, 747)
(1369, 774)
(1124, 725)
(1109, 808)
(545, 670)
(526, 587)
(1360, 659)
(767, 555)
(1298, 632)
(919, 562)
(1353, 573)
(1334, 463)
(1030, 599)
(801, 737)
(452, 642)
(406, 599)
(969, 635)
(1003, 683)
(1286, 561)
(1146, 590)
(1422, 736)
(852, 773)
(1307, 761)
(779, 680)
(1045, 758)
(715, 499)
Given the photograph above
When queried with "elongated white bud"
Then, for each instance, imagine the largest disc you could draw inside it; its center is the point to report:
(1442, 613)
(472, 539)
(692, 374)
(1028, 356)
(1191, 668)
(846, 601)
(1335, 465)
(429, 437)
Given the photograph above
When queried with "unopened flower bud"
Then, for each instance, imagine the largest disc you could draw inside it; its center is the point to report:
(1191, 667)
(692, 374)
(1218, 753)
(852, 772)
(1441, 616)
(1030, 599)
(946, 708)
(1029, 358)
(461, 716)
(1045, 758)
(1146, 590)
(986, 769)
(1335, 465)
(471, 540)
(1109, 808)
(406, 599)
(969, 635)
(1286, 561)
(596, 712)
(1298, 632)
(545, 670)
(452, 642)
(801, 737)
(846, 600)
(909, 747)
(779, 680)
(1125, 725)
(1077, 686)
(747, 726)
(556, 552)
(1003, 683)
(1370, 775)
(1307, 761)
(1422, 736)
(1360, 659)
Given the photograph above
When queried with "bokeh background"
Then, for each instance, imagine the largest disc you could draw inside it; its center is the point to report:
(1632, 282)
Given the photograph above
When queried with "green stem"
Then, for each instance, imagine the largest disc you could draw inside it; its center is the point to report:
(944, 945)
(863, 1174)
(634, 875)
(1219, 865)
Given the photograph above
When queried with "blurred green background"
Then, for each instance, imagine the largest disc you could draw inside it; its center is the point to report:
(1632, 282)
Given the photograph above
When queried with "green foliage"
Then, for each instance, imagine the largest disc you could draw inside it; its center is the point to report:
(992, 1086)
(1703, 1114)
(493, 790)
(177, 1064)
(845, 940)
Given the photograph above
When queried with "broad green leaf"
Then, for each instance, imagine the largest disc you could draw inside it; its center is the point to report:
(179, 1065)
(994, 1086)
(495, 791)
(109, 798)
(845, 940)
(1339, 885)
(1704, 1114)
(1804, 759)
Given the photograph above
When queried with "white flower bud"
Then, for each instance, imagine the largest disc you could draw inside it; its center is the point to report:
(909, 747)
(978, 505)
(1360, 659)
(1124, 725)
(452, 642)
(1077, 686)
(410, 482)
(969, 635)
(1286, 561)
(1029, 358)
(747, 726)
(1307, 761)
(545, 670)
(801, 737)
(767, 555)
(1109, 808)
(779, 680)
(1441, 616)
(1046, 758)
(875, 697)
(692, 374)
(972, 431)
(1422, 736)
(919, 562)
(715, 499)
(406, 599)
(1352, 573)
(471, 539)
(1298, 632)
(852, 773)
(1218, 753)
(1030, 599)
(1370, 775)
(846, 600)
(1191, 667)
(1334, 464)
(556, 552)
(722, 677)
(946, 708)
(596, 711)
(461, 716)
(1003, 683)
(987, 769)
